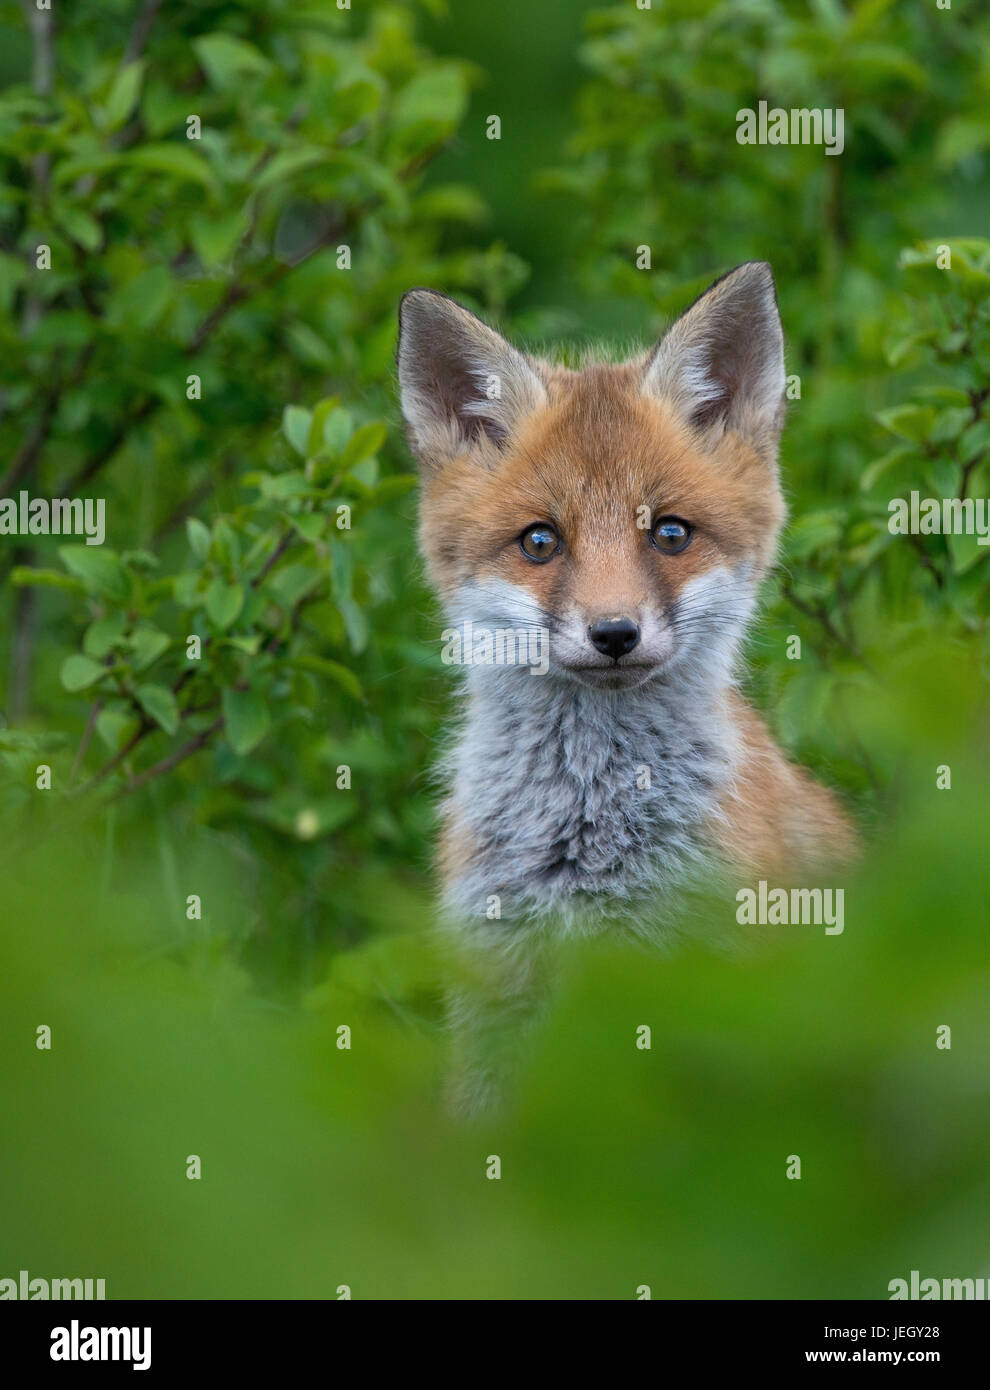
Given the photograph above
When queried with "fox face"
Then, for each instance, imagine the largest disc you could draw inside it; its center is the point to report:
(628, 512)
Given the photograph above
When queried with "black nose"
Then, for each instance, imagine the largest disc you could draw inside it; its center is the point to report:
(614, 636)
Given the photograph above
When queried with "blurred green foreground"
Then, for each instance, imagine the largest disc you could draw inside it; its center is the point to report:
(620, 1167)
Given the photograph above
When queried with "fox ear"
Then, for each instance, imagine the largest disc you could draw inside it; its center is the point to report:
(721, 365)
(462, 385)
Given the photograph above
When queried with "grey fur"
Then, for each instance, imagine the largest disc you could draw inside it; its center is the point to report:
(544, 776)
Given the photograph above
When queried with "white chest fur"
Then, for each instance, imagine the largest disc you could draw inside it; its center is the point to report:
(580, 803)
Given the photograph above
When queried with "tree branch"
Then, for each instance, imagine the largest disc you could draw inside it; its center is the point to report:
(105, 771)
(30, 450)
(77, 761)
(822, 616)
(42, 26)
(142, 28)
(173, 760)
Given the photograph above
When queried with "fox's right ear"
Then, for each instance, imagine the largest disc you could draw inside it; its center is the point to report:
(722, 363)
(463, 387)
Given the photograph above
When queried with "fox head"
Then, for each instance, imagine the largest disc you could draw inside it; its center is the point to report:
(628, 510)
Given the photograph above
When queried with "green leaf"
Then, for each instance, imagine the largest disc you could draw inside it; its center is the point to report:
(398, 485)
(875, 470)
(79, 672)
(337, 429)
(168, 157)
(223, 603)
(363, 443)
(966, 551)
(812, 532)
(248, 644)
(199, 537)
(309, 347)
(341, 675)
(24, 577)
(123, 96)
(943, 475)
(247, 719)
(145, 560)
(99, 569)
(801, 709)
(102, 635)
(159, 704)
(974, 440)
(909, 421)
(282, 486)
(898, 352)
(139, 303)
(115, 728)
(355, 623)
(452, 202)
(949, 424)
(391, 967)
(437, 94)
(291, 582)
(79, 226)
(321, 412)
(228, 61)
(186, 588)
(310, 525)
(959, 138)
(295, 426)
(216, 238)
(365, 472)
(147, 645)
(226, 543)
(289, 162)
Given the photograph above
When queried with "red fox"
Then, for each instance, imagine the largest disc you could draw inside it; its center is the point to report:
(627, 513)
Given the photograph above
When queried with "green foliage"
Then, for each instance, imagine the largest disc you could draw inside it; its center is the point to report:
(620, 1166)
(876, 340)
(232, 200)
(231, 633)
(201, 358)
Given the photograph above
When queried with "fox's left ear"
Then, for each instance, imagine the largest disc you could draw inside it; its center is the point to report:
(464, 389)
(721, 365)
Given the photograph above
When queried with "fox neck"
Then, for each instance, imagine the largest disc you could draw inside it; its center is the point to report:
(576, 800)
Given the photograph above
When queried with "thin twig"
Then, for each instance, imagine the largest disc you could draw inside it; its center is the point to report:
(173, 760)
(141, 732)
(927, 560)
(142, 28)
(31, 449)
(822, 616)
(94, 714)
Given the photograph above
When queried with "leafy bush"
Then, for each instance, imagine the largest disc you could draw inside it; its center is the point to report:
(232, 201)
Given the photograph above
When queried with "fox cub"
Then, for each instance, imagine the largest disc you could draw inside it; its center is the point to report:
(626, 514)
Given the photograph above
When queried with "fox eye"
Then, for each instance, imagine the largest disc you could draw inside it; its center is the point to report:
(671, 535)
(539, 542)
